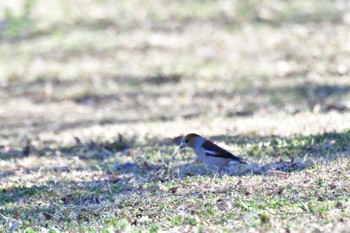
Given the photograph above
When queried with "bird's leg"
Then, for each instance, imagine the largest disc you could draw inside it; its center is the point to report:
(221, 172)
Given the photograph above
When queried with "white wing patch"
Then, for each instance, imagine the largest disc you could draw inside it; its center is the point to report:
(210, 152)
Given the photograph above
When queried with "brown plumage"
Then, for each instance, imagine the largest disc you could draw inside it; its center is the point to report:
(208, 152)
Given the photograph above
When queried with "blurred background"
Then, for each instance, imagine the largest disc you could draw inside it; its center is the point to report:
(81, 66)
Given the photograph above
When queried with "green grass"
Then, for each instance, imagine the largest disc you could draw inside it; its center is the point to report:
(94, 92)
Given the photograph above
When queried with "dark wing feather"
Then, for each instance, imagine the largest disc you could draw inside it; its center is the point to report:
(213, 150)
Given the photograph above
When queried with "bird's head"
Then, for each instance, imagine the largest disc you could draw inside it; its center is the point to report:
(190, 140)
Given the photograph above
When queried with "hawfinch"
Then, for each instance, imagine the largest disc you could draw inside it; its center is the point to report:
(208, 152)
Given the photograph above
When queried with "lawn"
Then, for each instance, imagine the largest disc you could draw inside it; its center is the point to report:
(94, 95)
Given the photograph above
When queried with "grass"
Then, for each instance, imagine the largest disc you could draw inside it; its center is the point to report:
(94, 93)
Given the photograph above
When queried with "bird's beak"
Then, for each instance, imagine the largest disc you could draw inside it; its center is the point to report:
(182, 144)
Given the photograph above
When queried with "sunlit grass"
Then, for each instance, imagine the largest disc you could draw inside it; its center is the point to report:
(93, 92)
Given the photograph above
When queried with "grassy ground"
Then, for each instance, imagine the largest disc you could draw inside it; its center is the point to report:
(93, 93)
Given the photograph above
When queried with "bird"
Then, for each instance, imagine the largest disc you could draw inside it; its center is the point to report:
(208, 152)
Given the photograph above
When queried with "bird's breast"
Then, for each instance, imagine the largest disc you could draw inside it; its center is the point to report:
(200, 152)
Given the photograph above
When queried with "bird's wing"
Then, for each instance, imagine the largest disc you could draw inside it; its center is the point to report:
(213, 150)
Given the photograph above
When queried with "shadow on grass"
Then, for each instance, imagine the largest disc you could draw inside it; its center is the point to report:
(41, 91)
(320, 146)
(300, 97)
(127, 178)
(326, 97)
(287, 154)
(91, 150)
(326, 146)
(80, 199)
(143, 177)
